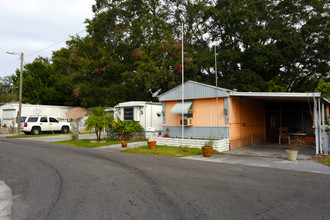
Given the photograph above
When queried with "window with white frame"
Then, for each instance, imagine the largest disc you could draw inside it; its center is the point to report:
(128, 114)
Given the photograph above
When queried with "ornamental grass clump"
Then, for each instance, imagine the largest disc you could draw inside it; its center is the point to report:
(125, 128)
(208, 143)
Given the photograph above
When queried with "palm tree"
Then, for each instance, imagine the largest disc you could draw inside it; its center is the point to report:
(98, 120)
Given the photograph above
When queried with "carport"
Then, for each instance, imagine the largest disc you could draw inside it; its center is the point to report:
(299, 112)
(273, 150)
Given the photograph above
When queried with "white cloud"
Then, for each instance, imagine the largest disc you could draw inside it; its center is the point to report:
(30, 26)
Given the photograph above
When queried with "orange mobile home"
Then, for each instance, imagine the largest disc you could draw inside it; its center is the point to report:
(244, 118)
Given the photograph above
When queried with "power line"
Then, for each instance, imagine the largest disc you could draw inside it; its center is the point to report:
(35, 91)
(40, 50)
(53, 44)
(9, 64)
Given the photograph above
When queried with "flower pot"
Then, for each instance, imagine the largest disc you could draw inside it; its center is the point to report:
(123, 144)
(152, 144)
(207, 151)
(291, 154)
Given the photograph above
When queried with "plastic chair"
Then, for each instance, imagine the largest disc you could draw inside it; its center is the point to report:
(284, 135)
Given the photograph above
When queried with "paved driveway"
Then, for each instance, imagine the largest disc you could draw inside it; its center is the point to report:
(270, 155)
(271, 150)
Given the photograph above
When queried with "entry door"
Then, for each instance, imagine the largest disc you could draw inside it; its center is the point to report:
(272, 126)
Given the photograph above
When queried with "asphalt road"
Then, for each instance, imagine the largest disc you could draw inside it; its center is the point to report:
(51, 181)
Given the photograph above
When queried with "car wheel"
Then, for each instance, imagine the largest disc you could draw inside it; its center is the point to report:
(35, 130)
(65, 129)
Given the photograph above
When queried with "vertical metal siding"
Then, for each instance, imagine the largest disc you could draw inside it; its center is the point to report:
(193, 91)
(226, 109)
(199, 132)
(164, 112)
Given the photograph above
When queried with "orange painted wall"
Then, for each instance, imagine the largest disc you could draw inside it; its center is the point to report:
(246, 117)
(171, 119)
(205, 113)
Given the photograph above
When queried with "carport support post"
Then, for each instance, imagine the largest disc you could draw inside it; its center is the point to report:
(319, 126)
(316, 127)
(322, 121)
(323, 140)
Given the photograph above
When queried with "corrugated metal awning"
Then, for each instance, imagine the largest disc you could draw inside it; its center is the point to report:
(177, 108)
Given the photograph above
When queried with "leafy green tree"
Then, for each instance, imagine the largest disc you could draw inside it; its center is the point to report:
(137, 37)
(41, 84)
(280, 42)
(93, 74)
(98, 120)
(135, 45)
(6, 90)
(324, 88)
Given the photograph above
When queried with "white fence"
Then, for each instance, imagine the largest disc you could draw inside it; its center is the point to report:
(218, 145)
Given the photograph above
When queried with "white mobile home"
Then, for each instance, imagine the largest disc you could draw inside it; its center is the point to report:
(9, 111)
(148, 114)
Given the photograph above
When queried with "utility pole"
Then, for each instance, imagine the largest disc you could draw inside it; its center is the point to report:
(20, 97)
(20, 92)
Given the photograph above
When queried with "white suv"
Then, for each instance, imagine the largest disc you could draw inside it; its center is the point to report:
(38, 124)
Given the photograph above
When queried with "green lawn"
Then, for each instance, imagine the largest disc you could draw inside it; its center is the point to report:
(87, 143)
(323, 160)
(166, 151)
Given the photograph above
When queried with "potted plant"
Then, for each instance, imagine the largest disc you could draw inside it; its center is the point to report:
(166, 132)
(123, 129)
(151, 144)
(207, 148)
(292, 152)
(186, 148)
(123, 143)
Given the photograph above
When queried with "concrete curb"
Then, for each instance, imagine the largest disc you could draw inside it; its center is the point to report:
(5, 201)
(118, 146)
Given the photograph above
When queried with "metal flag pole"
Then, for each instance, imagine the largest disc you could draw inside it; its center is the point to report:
(216, 84)
(182, 115)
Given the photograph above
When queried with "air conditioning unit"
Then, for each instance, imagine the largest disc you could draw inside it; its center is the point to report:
(187, 122)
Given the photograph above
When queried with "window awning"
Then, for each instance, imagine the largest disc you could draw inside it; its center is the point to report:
(177, 108)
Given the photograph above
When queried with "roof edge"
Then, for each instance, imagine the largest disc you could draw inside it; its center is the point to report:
(198, 83)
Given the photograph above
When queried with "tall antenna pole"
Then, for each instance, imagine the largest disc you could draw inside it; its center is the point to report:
(182, 115)
(216, 85)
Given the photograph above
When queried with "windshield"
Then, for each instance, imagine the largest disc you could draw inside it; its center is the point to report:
(23, 119)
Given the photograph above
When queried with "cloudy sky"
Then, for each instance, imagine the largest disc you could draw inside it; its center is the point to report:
(34, 25)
